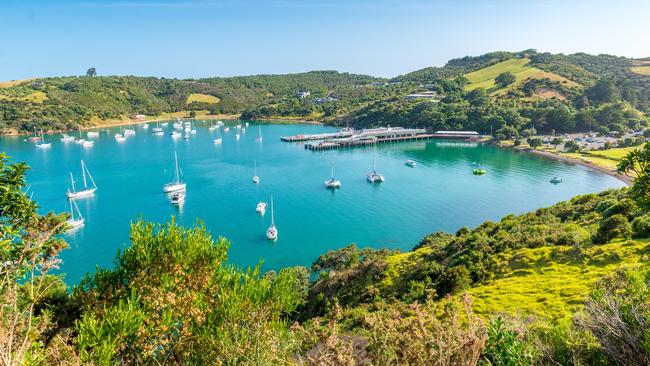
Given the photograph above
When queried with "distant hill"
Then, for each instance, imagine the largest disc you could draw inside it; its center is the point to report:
(589, 91)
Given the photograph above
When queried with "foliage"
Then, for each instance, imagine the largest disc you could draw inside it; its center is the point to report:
(504, 79)
(505, 346)
(637, 163)
(172, 296)
(29, 247)
(618, 314)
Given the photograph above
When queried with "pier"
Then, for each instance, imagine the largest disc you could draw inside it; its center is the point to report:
(355, 138)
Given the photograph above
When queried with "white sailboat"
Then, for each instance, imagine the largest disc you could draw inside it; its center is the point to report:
(86, 191)
(42, 144)
(218, 140)
(176, 185)
(237, 136)
(66, 138)
(92, 134)
(259, 134)
(129, 132)
(175, 134)
(178, 198)
(73, 222)
(119, 137)
(256, 179)
(272, 231)
(88, 143)
(79, 140)
(261, 207)
(374, 176)
(158, 131)
(332, 183)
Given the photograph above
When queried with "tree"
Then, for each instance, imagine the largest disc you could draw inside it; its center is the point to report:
(534, 142)
(91, 72)
(637, 164)
(556, 141)
(192, 114)
(29, 248)
(505, 78)
(571, 146)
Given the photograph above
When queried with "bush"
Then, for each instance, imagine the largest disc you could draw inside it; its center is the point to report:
(618, 314)
(505, 346)
(641, 226)
(571, 146)
(615, 226)
(454, 280)
(625, 207)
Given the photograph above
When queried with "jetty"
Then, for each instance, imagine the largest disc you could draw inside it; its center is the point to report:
(353, 138)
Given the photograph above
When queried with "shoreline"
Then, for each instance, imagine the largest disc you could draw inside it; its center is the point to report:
(116, 123)
(628, 181)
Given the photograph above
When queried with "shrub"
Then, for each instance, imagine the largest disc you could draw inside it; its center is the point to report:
(618, 313)
(625, 207)
(641, 226)
(505, 346)
(454, 280)
(615, 226)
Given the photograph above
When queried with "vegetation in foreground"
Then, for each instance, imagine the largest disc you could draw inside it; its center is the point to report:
(567, 284)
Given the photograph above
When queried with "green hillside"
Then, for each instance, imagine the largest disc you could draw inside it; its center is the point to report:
(520, 67)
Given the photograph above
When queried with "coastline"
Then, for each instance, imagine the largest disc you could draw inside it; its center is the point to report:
(549, 155)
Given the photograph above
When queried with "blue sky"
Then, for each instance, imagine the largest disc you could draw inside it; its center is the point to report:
(197, 38)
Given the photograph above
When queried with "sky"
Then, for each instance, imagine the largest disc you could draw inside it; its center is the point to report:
(200, 38)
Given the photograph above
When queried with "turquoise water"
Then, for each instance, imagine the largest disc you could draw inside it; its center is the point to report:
(441, 193)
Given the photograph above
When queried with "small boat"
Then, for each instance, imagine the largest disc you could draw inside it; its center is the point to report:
(79, 141)
(158, 133)
(219, 123)
(374, 176)
(410, 163)
(261, 207)
(188, 129)
(157, 130)
(66, 138)
(145, 125)
(246, 124)
(176, 185)
(218, 140)
(259, 134)
(226, 129)
(556, 180)
(119, 137)
(193, 131)
(256, 179)
(243, 130)
(186, 136)
(34, 138)
(73, 222)
(175, 134)
(272, 231)
(92, 134)
(88, 143)
(479, 171)
(86, 191)
(164, 124)
(177, 198)
(129, 132)
(238, 127)
(178, 126)
(332, 183)
(42, 144)
(237, 137)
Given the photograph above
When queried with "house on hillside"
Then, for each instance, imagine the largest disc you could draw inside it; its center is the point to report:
(325, 100)
(139, 117)
(430, 95)
(303, 94)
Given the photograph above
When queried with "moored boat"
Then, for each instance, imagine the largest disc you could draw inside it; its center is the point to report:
(272, 231)
(87, 190)
(176, 185)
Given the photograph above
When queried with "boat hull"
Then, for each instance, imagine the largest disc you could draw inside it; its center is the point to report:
(173, 187)
(80, 194)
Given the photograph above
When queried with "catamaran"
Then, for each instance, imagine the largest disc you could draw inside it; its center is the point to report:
(332, 183)
(374, 176)
(256, 179)
(86, 191)
(66, 138)
(272, 231)
(73, 222)
(176, 185)
(259, 133)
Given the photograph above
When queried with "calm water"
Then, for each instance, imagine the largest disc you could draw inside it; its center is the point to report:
(441, 193)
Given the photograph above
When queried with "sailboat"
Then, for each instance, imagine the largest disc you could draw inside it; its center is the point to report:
(34, 138)
(272, 231)
(237, 136)
(218, 140)
(129, 132)
(178, 198)
(73, 222)
(66, 138)
(332, 183)
(42, 144)
(256, 179)
(259, 133)
(80, 139)
(158, 131)
(375, 177)
(92, 134)
(261, 207)
(86, 191)
(176, 185)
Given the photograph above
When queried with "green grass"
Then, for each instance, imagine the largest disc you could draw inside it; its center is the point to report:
(552, 282)
(35, 97)
(202, 98)
(484, 78)
(641, 70)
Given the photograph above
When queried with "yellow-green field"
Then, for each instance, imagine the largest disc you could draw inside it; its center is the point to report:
(642, 70)
(8, 84)
(552, 282)
(484, 78)
(202, 98)
(35, 97)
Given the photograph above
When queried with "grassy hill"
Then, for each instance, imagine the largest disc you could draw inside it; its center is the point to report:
(641, 70)
(520, 67)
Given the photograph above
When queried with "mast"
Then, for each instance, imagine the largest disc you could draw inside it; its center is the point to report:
(272, 218)
(255, 168)
(73, 189)
(71, 211)
(83, 166)
(332, 169)
(83, 174)
(177, 175)
(374, 161)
